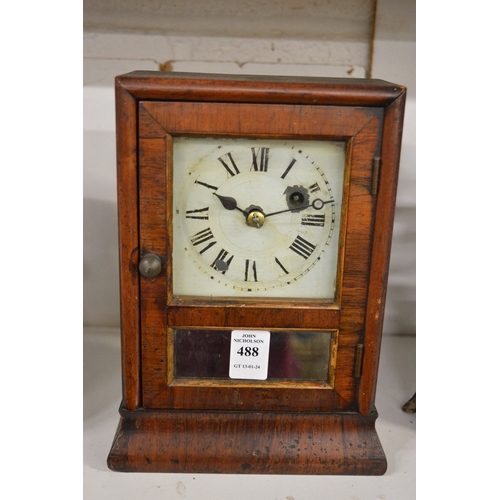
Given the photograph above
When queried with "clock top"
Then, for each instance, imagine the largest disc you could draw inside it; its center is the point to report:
(156, 85)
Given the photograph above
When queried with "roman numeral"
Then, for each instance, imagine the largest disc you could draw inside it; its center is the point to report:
(259, 162)
(302, 247)
(314, 187)
(221, 262)
(225, 160)
(281, 265)
(285, 173)
(209, 186)
(202, 237)
(250, 270)
(313, 220)
(197, 214)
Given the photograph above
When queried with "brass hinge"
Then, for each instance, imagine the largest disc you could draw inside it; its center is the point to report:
(375, 174)
(358, 359)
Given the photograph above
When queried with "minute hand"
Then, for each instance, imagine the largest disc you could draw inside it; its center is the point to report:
(317, 204)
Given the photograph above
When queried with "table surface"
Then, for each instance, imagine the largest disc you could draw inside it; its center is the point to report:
(396, 429)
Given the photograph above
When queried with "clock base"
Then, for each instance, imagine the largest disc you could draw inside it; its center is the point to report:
(247, 442)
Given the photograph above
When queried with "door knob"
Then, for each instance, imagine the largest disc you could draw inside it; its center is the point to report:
(150, 265)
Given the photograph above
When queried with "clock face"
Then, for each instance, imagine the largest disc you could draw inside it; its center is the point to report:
(256, 217)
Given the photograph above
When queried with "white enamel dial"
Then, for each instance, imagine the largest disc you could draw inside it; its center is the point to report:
(256, 217)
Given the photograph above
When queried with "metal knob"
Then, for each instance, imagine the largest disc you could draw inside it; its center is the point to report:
(150, 265)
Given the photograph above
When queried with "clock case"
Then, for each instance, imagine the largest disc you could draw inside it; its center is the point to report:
(225, 426)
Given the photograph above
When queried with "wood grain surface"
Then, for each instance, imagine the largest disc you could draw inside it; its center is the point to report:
(248, 443)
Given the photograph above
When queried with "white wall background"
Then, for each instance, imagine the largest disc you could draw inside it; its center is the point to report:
(299, 37)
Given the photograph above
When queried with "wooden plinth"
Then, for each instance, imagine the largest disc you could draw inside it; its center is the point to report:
(247, 442)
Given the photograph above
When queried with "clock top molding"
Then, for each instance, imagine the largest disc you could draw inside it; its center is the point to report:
(152, 85)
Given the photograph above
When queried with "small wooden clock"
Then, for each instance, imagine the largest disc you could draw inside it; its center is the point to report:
(255, 222)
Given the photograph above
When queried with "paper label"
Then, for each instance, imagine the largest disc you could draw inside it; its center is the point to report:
(249, 358)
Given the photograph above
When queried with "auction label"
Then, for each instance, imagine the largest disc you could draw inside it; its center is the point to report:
(249, 357)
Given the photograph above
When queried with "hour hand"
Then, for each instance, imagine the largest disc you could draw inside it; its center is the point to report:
(229, 203)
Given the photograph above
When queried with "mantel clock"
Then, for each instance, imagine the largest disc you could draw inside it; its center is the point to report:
(255, 218)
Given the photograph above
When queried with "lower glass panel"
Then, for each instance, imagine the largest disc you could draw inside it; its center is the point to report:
(293, 355)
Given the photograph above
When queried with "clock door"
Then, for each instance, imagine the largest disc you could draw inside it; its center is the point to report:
(314, 344)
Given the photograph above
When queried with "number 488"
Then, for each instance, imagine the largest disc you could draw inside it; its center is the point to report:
(248, 351)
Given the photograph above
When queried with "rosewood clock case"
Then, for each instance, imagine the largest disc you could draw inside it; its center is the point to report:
(172, 423)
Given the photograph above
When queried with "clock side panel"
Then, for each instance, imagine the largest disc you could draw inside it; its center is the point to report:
(127, 197)
(385, 193)
(154, 238)
(356, 251)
